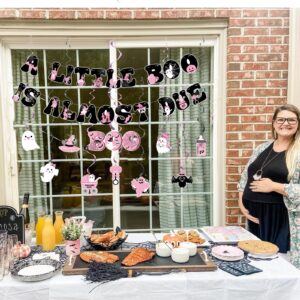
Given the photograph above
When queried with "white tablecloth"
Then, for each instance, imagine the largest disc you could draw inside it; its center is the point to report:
(279, 280)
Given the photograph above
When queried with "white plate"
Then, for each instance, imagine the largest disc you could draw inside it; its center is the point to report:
(205, 244)
(271, 256)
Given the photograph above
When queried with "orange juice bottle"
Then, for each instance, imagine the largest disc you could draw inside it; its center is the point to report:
(48, 235)
(39, 228)
(58, 224)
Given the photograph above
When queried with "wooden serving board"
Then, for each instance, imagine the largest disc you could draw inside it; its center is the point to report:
(157, 264)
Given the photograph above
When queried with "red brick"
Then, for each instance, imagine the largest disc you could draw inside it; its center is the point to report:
(284, 74)
(269, 57)
(278, 66)
(285, 57)
(268, 39)
(267, 92)
(276, 101)
(240, 40)
(253, 136)
(256, 31)
(118, 14)
(279, 13)
(232, 119)
(255, 66)
(237, 162)
(253, 101)
(234, 49)
(233, 178)
(8, 13)
(90, 14)
(32, 14)
(247, 153)
(264, 109)
(268, 74)
(231, 203)
(255, 49)
(284, 92)
(233, 102)
(269, 22)
(239, 127)
(253, 119)
(174, 14)
(233, 84)
(232, 136)
(232, 153)
(262, 127)
(234, 31)
(286, 39)
(254, 83)
(146, 14)
(277, 83)
(241, 22)
(240, 110)
(228, 13)
(233, 220)
(234, 67)
(230, 186)
(279, 31)
(239, 93)
(240, 75)
(255, 13)
(286, 22)
(207, 13)
(240, 57)
(233, 211)
(279, 48)
(61, 14)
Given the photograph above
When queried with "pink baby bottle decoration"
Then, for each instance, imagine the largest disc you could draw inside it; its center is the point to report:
(201, 146)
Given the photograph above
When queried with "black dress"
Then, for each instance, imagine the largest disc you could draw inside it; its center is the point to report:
(269, 208)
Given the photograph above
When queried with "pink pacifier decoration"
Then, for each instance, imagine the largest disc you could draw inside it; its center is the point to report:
(131, 141)
(48, 171)
(89, 184)
(69, 145)
(113, 140)
(96, 141)
(140, 185)
(163, 143)
(115, 172)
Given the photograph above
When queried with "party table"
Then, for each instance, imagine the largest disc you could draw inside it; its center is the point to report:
(279, 280)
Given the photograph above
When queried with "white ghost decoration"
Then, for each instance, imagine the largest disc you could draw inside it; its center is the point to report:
(28, 141)
(49, 171)
(163, 143)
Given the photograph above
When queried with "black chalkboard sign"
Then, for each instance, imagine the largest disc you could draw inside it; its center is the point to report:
(11, 221)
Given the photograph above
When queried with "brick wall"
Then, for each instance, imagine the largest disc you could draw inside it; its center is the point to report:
(257, 64)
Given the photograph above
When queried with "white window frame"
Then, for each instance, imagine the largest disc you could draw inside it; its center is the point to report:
(44, 35)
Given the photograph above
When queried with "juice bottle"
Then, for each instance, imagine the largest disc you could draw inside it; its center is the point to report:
(39, 228)
(58, 224)
(48, 235)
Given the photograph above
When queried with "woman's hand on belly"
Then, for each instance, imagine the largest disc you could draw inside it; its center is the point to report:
(245, 211)
(264, 185)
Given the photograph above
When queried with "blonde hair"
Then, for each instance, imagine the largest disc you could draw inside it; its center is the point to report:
(294, 147)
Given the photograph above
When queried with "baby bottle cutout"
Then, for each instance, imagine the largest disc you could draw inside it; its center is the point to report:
(201, 146)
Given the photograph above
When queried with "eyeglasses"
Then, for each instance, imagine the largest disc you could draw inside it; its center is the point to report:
(291, 121)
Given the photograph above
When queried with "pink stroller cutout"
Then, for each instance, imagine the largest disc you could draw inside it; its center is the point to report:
(89, 184)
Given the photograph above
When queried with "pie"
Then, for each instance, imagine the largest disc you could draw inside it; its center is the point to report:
(258, 247)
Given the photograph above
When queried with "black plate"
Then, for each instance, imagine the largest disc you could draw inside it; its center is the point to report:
(103, 246)
(27, 263)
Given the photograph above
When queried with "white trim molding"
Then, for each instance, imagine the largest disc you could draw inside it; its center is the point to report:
(294, 58)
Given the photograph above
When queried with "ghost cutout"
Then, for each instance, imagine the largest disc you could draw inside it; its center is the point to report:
(163, 143)
(140, 185)
(28, 141)
(48, 171)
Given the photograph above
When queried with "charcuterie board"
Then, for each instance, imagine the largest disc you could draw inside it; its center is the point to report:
(196, 263)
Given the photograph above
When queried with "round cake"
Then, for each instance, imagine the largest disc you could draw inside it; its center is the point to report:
(257, 247)
(228, 253)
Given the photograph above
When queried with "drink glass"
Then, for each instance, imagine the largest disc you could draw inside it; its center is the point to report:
(28, 233)
(12, 240)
